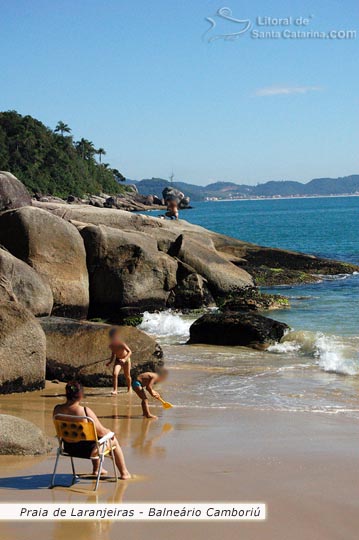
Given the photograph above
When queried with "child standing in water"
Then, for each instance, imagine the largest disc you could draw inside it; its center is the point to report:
(146, 381)
(121, 356)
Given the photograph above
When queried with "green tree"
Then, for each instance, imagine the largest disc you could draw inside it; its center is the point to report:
(100, 152)
(85, 148)
(51, 164)
(62, 128)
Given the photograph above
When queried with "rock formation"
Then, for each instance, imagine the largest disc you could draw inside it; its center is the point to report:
(21, 438)
(173, 194)
(22, 351)
(246, 329)
(19, 282)
(126, 270)
(79, 350)
(54, 248)
(13, 193)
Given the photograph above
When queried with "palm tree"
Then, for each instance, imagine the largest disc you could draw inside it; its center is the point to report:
(101, 152)
(86, 148)
(62, 128)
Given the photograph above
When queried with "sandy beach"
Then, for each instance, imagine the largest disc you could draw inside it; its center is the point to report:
(303, 465)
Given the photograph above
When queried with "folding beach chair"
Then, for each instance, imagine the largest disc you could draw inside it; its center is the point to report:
(75, 429)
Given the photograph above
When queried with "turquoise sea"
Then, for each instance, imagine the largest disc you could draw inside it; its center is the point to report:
(316, 367)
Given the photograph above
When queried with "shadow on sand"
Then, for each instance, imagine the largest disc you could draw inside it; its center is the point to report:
(36, 481)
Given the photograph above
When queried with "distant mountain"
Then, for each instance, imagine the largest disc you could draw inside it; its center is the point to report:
(155, 186)
(347, 185)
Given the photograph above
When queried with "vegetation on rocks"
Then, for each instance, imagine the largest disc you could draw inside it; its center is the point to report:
(251, 299)
(52, 162)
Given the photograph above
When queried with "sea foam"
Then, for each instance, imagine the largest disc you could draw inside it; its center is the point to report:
(332, 353)
(166, 324)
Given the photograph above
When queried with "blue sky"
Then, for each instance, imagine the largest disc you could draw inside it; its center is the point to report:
(140, 79)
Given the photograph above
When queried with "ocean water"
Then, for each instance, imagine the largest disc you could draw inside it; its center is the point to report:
(316, 366)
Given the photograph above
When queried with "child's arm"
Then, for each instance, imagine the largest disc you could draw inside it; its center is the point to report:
(113, 356)
(127, 350)
(149, 386)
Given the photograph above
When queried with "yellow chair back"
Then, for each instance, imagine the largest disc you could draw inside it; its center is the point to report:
(75, 429)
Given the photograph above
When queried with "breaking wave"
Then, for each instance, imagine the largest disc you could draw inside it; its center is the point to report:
(330, 353)
(166, 324)
(333, 354)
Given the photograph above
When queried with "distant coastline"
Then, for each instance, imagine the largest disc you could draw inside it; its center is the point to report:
(278, 197)
(345, 186)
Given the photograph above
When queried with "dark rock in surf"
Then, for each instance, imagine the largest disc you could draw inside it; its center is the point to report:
(246, 329)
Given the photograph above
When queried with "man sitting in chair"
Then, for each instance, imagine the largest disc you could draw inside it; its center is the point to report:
(88, 449)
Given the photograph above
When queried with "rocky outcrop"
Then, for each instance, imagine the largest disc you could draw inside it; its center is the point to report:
(191, 291)
(79, 350)
(251, 299)
(13, 193)
(246, 329)
(126, 270)
(22, 350)
(273, 266)
(19, 282)
(130, 201)
(222, 276)
(54, 248)
(21, 438)
(268, 266)
(173, 194)
(118, 219)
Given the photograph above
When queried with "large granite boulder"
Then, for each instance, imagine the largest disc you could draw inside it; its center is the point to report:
(80, 349)
(13, 193)
(21, 438)
(19, 282)
(172, 194)
(222, 276)
(268, 266)
(246, 329)
(111, 217)
(22, 350)
(126, 270)
(191, 291)
(54, 248)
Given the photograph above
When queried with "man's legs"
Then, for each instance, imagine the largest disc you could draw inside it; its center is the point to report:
(127, 373)
(115, 374)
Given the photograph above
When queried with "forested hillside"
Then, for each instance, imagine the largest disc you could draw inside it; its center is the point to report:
(50, 161)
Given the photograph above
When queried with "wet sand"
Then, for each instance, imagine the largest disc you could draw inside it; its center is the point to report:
(305, 466)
